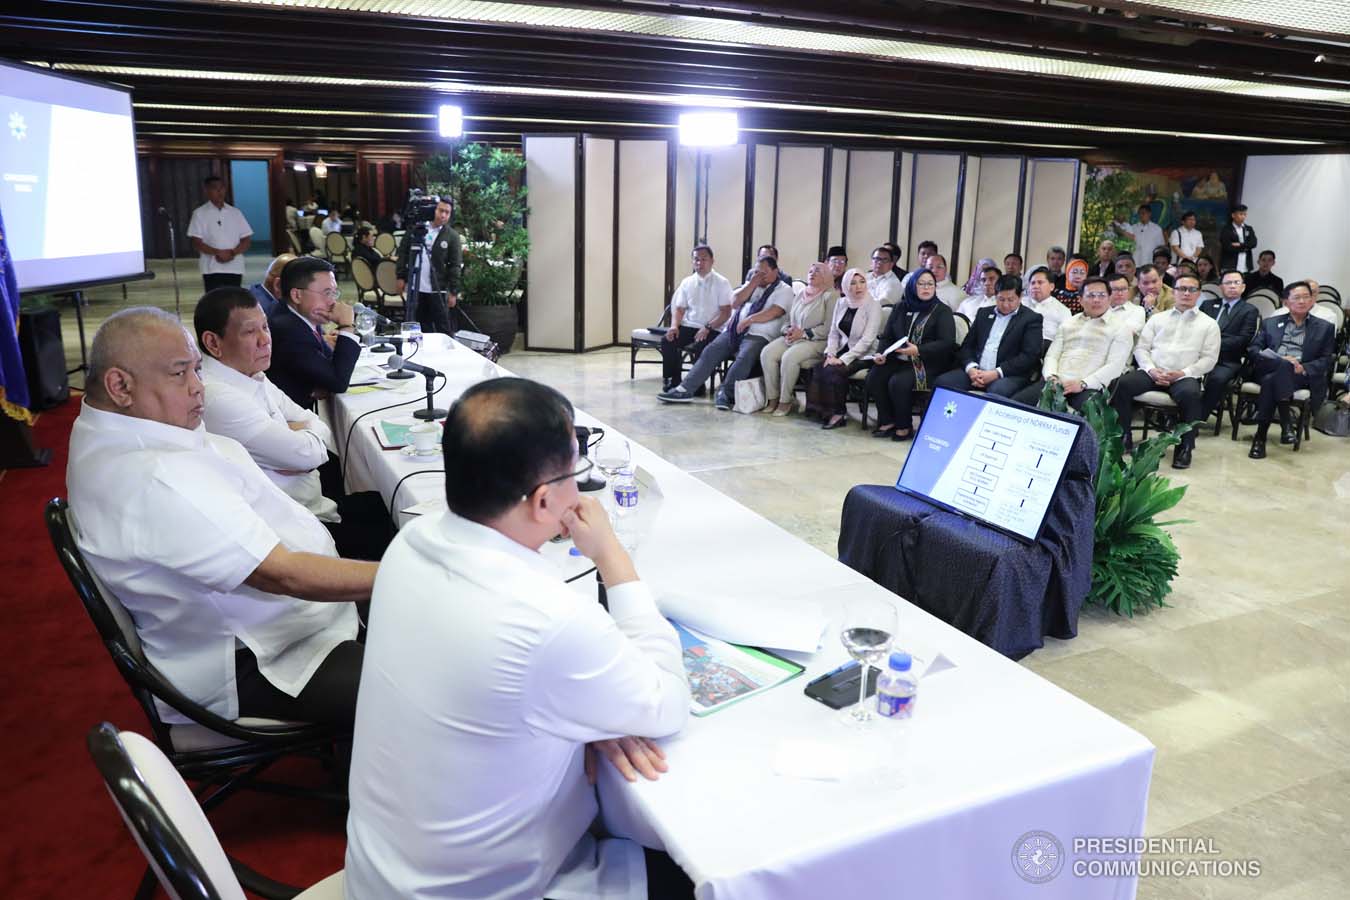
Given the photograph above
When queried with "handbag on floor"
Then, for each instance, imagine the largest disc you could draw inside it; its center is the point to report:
(1332, 418)
(749, 395)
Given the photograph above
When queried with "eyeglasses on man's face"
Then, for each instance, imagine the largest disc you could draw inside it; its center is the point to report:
(584, 468)
(1185, 290)
(1095, 295)
(330, 293)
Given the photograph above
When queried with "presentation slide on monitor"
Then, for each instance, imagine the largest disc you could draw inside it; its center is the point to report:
(997, 462)
(68, 186)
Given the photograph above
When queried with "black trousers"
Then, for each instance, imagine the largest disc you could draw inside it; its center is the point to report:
(329, 698)
(1184, 393)
(435, 314)
(221, 279)
(891, 387)
(1031, 395)
(1278, 383)
(958, 380)
(672, 353)
(1216, 384)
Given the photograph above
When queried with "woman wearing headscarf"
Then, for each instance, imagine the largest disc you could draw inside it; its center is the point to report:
(949, 293)
(972, 286)
(852, 341)
(929, 329)
(802, 343)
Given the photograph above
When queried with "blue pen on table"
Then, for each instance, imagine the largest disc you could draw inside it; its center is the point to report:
(851, 664)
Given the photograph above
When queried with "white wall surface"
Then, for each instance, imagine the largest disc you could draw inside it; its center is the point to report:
(551, 175)
(1296, 205)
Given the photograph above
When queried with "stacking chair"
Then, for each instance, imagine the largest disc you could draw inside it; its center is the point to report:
(647, 339)
(385, 245)
(365, 280)
(316, 240)
(1264, 304)
(386, 282)
(295, 243)
(184, 854)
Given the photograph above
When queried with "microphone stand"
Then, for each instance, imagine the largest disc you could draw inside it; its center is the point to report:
(431, 413)
(173, 265)
(399, 374)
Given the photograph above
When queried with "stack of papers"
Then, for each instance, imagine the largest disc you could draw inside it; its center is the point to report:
(721, 674)
(789, 623)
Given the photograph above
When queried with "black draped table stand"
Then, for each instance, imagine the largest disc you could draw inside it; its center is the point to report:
(1000, 591)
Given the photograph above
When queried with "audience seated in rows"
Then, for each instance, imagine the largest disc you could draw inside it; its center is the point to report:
(235, 590)
(1154, 294)
(1002, 349)
(949, 293)
(1237, 320)
(333, 223)
(983, 295)
(802, 343)
(929, 329)
(836, 260)
(1071, 286)
(852, 340)
(1040, 298)
(1106, 259)
(927, 250)
(1262, 278)
(1176, 348)
(1055, 258)
(1012, 265)
(363, 248)
(1123, 313)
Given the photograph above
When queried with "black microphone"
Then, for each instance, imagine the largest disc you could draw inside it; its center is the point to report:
(397, 362)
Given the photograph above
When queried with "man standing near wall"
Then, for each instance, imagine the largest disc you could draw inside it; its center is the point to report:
(1145, 233)
(1237, 240)
(221, 235)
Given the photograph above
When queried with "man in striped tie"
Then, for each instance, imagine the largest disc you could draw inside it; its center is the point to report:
(306, 365)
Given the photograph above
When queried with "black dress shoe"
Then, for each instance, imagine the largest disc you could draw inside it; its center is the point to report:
(1286, 435)
(1258, 450)
(900, 436)
(828, 426)
(1181, 458)
(882, 432)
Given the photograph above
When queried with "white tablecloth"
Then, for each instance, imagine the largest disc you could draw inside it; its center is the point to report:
(928, 808)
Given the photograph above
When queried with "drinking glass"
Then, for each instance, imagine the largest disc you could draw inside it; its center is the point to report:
(412, 334)
(365, 327)
(612, 454)
(869, 628)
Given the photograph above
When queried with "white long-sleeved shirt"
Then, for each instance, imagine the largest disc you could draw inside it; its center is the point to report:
(1174, 340)
(886, 289)
(256, 413)
(1053, 314)
(972, 305)
(951, 294)
(484, 677)
(701, 298)
(1147, 238)
(1127, 315)
(173, 521)
(1091, 350)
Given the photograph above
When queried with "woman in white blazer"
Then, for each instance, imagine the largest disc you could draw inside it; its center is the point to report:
(802, 343)
(849, 347)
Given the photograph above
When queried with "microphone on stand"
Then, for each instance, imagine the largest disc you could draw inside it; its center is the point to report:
(399, 364)
(173, 263)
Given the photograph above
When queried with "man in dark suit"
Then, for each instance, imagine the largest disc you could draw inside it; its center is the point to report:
(1290, 352)
(1002, 350)
(1237, 240)
(306, 365)
(436, 293)
(1238, 321)
(1263, 277)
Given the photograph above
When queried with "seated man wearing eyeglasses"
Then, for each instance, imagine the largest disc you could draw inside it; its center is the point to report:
(306, 364)
(1088, 352)
(487, 676)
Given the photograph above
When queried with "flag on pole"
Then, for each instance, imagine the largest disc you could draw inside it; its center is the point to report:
(13, 381)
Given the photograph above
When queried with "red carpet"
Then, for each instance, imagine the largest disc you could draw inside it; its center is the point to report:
(60, 835)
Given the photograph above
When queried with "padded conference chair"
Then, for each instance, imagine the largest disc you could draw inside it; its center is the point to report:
(184, 854)
(386, 281)
(223, 755)
(365, 280)
(385, 245)
(337, 252)
(1264, 304)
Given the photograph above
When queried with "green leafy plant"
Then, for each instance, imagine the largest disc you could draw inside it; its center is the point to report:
(1133, 559)
(485, 184)
(1107, 195)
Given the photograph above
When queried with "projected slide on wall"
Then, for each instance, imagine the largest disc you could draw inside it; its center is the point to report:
(68, 185)
(998, 462)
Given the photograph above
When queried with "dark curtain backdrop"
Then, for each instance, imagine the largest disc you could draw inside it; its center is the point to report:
(174, 183)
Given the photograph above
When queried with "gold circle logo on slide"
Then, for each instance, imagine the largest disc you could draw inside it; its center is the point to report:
(1037, 857)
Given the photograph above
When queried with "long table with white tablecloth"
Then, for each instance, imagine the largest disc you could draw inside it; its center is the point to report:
(981, 795)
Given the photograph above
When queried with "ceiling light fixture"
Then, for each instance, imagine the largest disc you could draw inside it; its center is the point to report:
(300, 167)
(320, 169)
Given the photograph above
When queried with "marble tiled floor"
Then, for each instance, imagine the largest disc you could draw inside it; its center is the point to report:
(1243, 684)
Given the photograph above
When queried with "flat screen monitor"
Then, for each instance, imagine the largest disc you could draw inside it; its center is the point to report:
(68, 186)
(990, 459)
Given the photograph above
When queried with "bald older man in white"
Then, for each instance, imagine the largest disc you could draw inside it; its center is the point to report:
(234, 588)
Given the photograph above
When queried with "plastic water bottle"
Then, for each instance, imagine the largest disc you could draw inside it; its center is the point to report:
(897, 687)
(625, 505)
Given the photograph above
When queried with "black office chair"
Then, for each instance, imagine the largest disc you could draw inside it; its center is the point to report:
(222, 755)
(184, 854)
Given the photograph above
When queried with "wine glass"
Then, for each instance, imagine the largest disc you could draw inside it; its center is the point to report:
(869, 628)
(365, 326)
